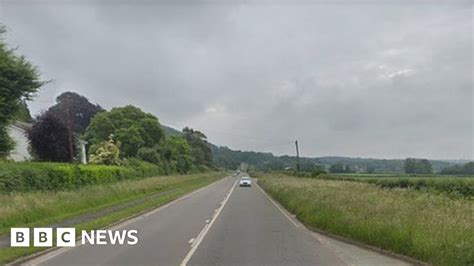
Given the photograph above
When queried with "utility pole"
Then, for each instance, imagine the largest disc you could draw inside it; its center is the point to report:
(69, 129)
(297, 158)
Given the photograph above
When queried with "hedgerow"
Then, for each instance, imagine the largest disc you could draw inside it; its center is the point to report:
(29, 176)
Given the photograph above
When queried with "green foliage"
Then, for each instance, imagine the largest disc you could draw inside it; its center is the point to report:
(453, 186)
(340, 168)
(57, 176)
(129, 125)
(200, 148)
(150, 155)
(318, 170)
(416, 166)
(23, 113)
(100, 128)
(466, 169)
(6, 143)
(131, 140)
(106, 152)
(146, 169)
(177, 151)
(19, 80)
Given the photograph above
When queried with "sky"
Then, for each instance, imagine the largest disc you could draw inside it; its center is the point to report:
(378, 79)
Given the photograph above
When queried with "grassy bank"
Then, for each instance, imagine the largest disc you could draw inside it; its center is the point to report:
(45, 208)
(428, 226)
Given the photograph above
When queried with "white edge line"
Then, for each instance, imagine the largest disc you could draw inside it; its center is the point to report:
(278, 206)
(57, 252)
(203, 233)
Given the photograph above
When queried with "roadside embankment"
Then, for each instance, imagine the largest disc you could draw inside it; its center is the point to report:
(431, 227)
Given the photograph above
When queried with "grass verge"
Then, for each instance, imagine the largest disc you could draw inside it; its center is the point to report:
(427, 226)
(104, 196)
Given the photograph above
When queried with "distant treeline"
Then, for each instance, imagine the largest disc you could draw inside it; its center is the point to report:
(231, 159)
(467, 169)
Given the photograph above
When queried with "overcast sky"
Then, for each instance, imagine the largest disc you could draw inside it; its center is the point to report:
(353, 78)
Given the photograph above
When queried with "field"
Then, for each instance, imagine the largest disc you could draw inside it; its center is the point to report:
(45, 208)
(426, 223)
(453, 186)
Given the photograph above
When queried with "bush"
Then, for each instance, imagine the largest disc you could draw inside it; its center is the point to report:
(150, 155)
(57, 176)
(106, 152)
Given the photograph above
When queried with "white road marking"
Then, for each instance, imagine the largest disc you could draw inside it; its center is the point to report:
(278, 206)
(191, 241)
(206, 228)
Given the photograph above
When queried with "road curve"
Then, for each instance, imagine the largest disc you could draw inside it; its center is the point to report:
(222, 224)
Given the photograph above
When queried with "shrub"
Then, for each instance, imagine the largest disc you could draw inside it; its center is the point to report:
(57, 176)
(106, 152)
(150, 155)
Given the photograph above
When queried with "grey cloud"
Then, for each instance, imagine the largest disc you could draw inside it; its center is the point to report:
(374, 80)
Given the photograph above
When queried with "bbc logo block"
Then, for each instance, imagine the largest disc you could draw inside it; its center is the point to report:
(20, 237)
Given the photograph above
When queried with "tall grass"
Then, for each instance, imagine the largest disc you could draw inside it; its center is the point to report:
(427, 226)
(462, 186)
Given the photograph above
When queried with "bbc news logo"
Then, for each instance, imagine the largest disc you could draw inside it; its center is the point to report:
(66, 237)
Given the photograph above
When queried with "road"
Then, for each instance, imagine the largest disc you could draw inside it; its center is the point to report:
(222, 224)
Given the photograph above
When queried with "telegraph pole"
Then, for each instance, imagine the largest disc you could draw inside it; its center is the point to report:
(69, 129)
(297, 158)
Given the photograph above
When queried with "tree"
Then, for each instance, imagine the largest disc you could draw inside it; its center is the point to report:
(200, 148)
(129, 125)
(177, 151)
(23, 113)
(49, 140)
(74, 110)
(318, 170)
(416, 166)
(410, 166)
(150, 155)
(466, 169)
(19, 80)
(131, 139)
(6, 143)
(74, 113)
(337, 168)
(424, 167)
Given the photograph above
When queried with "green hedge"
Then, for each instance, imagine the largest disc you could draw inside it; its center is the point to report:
(57, 176)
